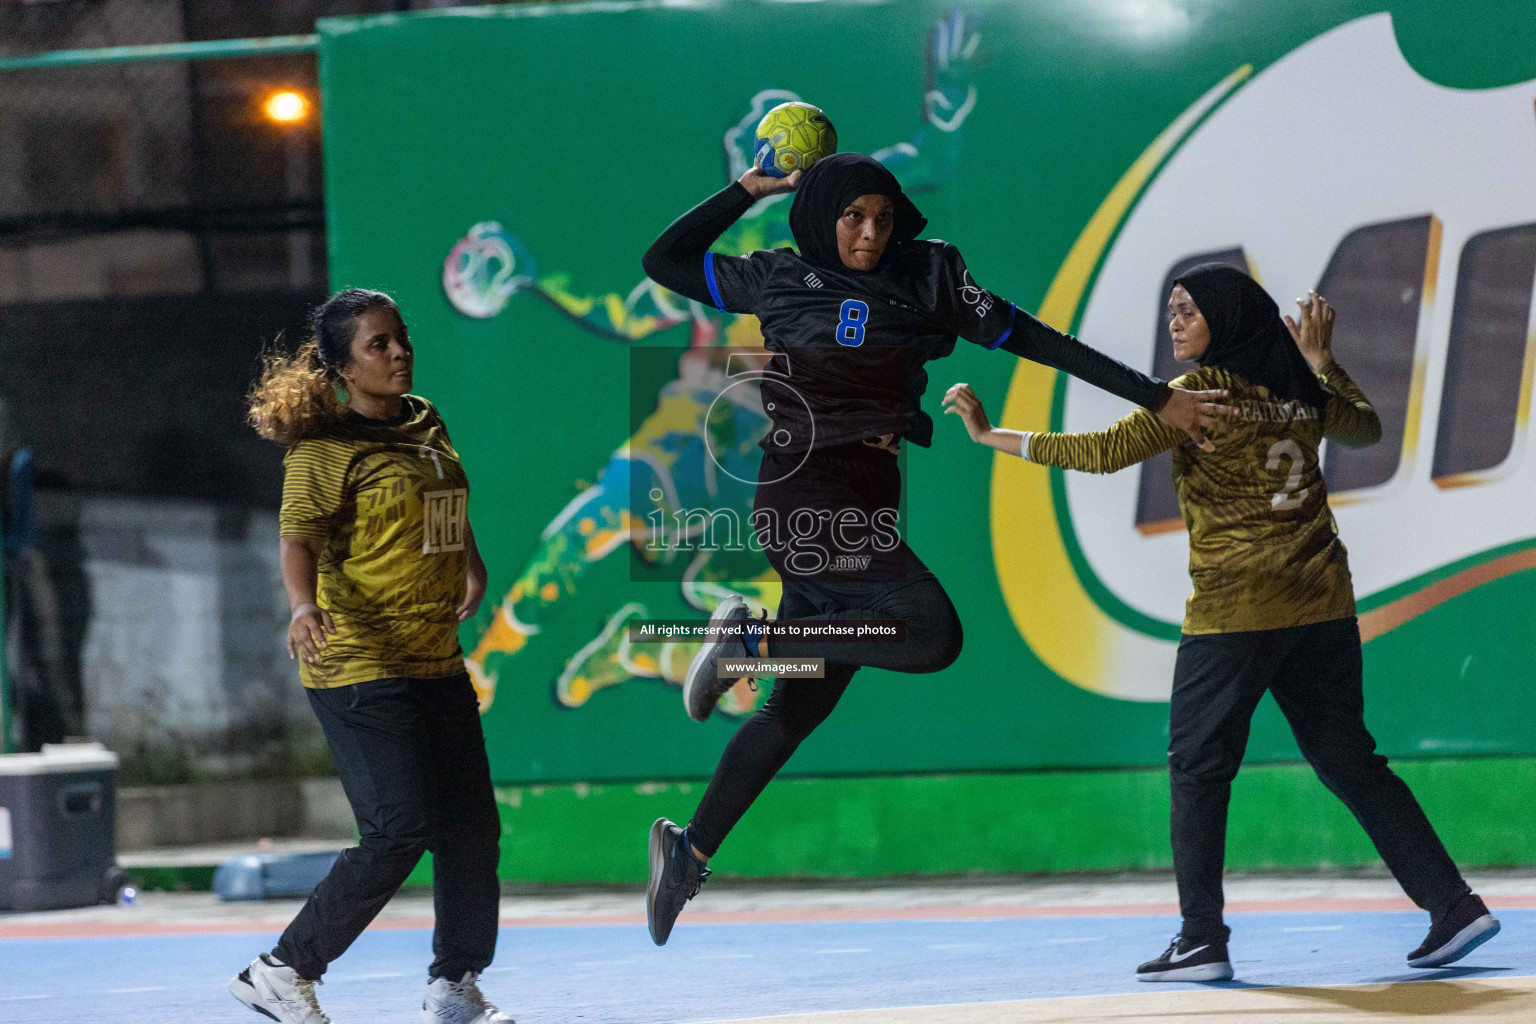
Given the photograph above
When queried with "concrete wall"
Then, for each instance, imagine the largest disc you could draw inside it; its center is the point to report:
(179, 614)
(156, 817)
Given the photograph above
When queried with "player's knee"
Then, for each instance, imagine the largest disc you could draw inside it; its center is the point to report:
(397, 842)
(939, 644)
(1202, 767)
(1350, 767)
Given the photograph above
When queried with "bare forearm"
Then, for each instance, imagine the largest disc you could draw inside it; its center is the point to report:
(477, 569)
(1009, 442)
(299, 560)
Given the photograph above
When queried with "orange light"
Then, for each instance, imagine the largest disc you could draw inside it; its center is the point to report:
(286, 107)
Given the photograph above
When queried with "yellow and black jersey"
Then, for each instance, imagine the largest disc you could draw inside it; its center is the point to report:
(390, 501)
(1264, 552)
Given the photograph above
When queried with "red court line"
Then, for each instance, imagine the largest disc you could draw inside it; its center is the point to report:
(972, 912)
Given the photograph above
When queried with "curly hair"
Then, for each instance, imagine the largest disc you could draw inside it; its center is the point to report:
(294, 395)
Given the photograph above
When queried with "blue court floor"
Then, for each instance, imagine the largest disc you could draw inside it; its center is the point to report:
(721, 972)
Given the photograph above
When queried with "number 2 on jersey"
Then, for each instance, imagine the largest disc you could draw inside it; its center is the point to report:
(1287, 497)
(850, 325)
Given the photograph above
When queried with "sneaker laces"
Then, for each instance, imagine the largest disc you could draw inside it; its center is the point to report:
(306, 990)
(468, 990)
(699, 882)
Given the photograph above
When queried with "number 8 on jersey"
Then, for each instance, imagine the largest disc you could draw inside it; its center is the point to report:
(851, 321)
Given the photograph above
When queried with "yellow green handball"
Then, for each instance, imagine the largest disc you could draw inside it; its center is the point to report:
(791, 137)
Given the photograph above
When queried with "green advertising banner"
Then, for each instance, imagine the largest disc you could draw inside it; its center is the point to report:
(501, 171)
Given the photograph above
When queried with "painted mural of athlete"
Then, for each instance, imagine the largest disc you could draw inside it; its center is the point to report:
(1273, 606)
(851, 318)
(666, 453)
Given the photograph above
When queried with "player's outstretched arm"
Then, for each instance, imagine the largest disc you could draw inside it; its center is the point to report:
(961, 401)
(1198, 414)
(676, 259)
(1349, 418)
(987, 319)
(1132, 439)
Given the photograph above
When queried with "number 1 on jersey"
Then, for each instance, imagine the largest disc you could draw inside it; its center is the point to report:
(850, 325)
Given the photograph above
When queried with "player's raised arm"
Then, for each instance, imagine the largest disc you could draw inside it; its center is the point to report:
(680, 259)
(1349, 418)
(1132, 439)
(985, 318)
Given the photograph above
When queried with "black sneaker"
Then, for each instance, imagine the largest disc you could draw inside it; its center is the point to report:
(1458, 933)
(1188, 961)
(702, 687)
(676, 876)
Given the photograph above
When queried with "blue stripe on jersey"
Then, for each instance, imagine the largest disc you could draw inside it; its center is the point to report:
(1013, 312)
(709, 279)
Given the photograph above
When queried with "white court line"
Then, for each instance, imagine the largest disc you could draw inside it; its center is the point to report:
(725, 956)
(603, 963)
(1063, 942)
(960, 945)
(146, 988)
(833, 952)
(491, 970)
(1319, 928)
(17, 999)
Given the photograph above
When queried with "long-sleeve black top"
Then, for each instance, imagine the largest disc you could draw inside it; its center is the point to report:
(849, 346)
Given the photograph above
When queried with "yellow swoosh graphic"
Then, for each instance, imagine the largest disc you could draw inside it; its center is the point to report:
(1053, 613)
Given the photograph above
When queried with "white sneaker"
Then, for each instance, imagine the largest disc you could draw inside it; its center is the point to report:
(275, 990)
(459, 1002)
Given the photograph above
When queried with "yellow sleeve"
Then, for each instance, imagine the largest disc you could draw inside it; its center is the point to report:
(1349, 418)
(314, 487)
(1135, 438)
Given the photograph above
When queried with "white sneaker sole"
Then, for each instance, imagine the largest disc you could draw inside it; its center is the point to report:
(246, 993)
(428, 1017)
(657, 863)
(691, 681)
(1200, 972)
(1462, 943)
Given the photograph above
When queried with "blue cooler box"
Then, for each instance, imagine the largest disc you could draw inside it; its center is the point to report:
(58, 821)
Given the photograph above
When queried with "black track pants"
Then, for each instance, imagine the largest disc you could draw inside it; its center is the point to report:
(411, 757)
(903, 589)
(1314, 671)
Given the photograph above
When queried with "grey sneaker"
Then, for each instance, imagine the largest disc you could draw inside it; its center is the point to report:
(676, 877)
(702, 687)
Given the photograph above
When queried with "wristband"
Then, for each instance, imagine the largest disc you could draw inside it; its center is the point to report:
(300, 610)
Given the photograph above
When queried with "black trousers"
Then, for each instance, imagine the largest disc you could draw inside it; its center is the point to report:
(1315, 673)
(411, 757)
(902, 588)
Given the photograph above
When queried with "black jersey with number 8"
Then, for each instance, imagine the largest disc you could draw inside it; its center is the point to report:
(849, 347)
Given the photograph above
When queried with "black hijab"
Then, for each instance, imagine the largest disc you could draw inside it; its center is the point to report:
(1247, 335)
(825, 191)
